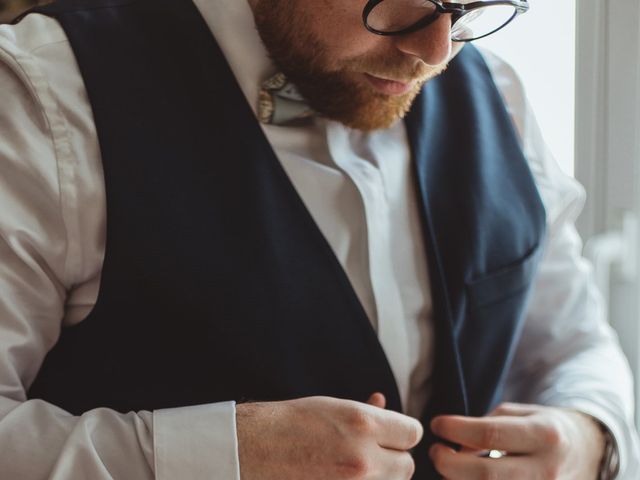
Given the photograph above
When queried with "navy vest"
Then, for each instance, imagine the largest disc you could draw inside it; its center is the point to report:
(218, 285)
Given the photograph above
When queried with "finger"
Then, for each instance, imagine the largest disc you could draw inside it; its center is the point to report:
(463, 466)
(471, 450)
(391, 464)
(512, 434)
(377, 400)
(395, 430)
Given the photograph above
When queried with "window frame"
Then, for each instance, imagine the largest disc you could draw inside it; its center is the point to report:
(607, 154)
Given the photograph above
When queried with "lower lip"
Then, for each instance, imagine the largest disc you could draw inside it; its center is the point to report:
(389, 87)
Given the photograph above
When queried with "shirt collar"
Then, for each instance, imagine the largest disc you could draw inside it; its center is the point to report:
(233, 27)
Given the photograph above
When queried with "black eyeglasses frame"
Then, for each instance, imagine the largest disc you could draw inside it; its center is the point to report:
(457, 11)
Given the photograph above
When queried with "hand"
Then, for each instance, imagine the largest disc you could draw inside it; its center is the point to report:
(541, 443)
(320, 438)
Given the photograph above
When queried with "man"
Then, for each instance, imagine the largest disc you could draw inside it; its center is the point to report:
(326, 274)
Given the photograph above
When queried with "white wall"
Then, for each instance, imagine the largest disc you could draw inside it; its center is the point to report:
(541, 46)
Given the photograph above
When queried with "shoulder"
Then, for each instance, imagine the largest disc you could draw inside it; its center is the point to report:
(37, 64)
(28, 50)
(48, 142)
(32, 131)
(562, 195)
(32, 33)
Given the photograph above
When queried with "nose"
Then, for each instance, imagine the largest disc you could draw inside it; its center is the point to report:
(431, 44)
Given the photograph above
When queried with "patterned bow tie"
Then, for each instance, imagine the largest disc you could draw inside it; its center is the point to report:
(280, 103)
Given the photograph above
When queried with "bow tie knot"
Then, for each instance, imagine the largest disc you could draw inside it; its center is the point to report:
(280, 102)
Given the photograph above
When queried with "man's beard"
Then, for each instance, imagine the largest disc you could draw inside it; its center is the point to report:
(337, 89)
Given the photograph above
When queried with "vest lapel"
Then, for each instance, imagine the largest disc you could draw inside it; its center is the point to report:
(483, 222)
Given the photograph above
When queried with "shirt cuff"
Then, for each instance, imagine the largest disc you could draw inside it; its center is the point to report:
(198, 443)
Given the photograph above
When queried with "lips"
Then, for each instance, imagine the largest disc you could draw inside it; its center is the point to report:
(389, 87)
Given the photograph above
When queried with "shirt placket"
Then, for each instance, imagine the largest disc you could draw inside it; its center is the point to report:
(389, 324)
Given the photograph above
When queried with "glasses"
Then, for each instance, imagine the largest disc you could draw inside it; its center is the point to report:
(469, 20)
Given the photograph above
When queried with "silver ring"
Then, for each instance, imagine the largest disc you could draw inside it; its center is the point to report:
(496, 454)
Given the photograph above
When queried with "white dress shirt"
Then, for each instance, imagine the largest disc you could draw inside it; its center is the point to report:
(358, 188)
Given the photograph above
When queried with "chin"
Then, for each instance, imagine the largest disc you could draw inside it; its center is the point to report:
(376, 112)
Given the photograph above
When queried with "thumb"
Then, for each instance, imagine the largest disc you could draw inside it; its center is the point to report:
(377, 400)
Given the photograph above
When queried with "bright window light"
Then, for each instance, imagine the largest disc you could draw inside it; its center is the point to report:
(541, 47)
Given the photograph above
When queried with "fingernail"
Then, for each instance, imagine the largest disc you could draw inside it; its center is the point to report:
(432, 449)
(434, 425)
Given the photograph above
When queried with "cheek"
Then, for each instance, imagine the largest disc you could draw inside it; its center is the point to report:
(340, 29)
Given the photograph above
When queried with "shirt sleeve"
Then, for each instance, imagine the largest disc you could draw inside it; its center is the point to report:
(48, 148)
(569, 355)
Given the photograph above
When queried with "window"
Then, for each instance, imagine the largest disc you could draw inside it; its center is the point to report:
(608, 156)
(541, 47)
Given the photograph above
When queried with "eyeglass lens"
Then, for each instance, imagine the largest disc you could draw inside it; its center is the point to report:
(390, 16)
(396, 15)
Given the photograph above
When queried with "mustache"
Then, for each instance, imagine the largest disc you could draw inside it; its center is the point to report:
(398, 68)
